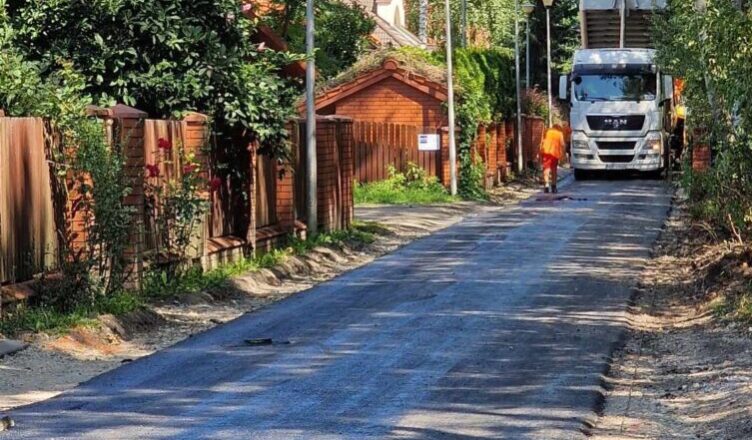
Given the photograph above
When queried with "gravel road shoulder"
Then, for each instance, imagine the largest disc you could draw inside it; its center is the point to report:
(683, 372)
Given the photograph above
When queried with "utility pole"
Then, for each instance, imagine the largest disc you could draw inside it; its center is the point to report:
(527, 54)
(548, 4)
(527, 9)
(450, 99)
(622, 23)
(423, 21)
(311, 169)
(463, 23)
(520, 165)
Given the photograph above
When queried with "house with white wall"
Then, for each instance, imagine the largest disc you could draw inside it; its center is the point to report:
(391, 29)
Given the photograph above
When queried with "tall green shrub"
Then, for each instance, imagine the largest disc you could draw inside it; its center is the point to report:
(709, 48)
(342, 31)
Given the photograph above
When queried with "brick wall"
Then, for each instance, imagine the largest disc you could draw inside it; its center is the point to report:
(334, 159)
(701, 151)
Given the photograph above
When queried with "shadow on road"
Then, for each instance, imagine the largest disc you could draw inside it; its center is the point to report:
(498, 327)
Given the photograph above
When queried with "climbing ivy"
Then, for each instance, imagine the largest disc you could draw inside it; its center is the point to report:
(486, 81)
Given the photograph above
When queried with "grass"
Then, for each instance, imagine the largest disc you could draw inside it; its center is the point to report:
(384, 192)
(44, 318)
(413, 186)
(734, 307)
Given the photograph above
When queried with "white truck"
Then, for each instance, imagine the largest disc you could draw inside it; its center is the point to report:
(620, 103)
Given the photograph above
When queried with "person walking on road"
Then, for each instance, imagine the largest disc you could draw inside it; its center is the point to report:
(551, 152)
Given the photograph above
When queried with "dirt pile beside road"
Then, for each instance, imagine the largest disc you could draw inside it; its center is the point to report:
(686, 368)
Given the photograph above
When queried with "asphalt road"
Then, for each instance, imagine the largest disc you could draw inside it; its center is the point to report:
(497, 327)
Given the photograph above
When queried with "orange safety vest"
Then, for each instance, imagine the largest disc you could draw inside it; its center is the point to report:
(553, 143)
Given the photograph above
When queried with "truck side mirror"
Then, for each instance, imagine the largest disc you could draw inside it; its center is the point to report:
(563, 87)
(668, 88)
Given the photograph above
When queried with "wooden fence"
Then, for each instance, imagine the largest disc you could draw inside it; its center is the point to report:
(334, 158)
(258, 201)
(379, 145)
(28, 233)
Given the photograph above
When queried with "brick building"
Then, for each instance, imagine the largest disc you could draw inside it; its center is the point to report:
(388, 94)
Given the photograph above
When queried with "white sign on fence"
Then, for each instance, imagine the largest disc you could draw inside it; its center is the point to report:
(428, 142)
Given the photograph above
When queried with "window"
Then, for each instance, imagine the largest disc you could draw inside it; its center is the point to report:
(615, 87)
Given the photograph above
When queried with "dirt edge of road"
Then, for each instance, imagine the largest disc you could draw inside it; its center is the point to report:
(683, 370)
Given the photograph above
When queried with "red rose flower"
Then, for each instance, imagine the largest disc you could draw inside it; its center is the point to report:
(215, 183)
(164, 144)
(189, 168)
(153, 170)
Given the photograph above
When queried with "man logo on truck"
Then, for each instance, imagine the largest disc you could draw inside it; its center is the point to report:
(615, 122)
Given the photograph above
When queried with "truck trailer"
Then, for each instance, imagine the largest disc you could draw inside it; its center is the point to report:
(620, 102)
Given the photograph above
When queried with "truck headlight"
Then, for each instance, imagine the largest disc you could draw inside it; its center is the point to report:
(580, 145)
(655, 145)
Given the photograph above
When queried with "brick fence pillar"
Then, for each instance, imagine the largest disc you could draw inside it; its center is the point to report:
(125, 128)
(701, 152)
(250, 236)
(501, 152)
(346, 142)
(285, 203)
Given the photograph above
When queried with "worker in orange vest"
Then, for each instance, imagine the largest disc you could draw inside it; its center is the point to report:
(551, 152)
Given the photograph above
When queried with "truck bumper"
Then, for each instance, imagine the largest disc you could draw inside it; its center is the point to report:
(611, 154)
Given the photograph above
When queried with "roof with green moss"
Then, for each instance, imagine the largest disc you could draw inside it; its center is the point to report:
(413, 68)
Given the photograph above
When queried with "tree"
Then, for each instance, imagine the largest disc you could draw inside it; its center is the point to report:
(708, 44)
(565, 38)
(164, 57)
(342, 31)
(490, 23)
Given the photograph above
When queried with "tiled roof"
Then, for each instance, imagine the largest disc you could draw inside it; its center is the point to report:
(386, 33)
(390, 68)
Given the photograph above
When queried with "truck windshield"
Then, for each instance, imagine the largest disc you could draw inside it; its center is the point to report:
(615, 87)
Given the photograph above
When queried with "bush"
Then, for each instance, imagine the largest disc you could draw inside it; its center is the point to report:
(535, 103)
(718, 91)
(414, 186)
(164, 57)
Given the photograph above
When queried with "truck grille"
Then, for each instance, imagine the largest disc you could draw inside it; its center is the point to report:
(617, 159)
(616, 123)
(616, 145)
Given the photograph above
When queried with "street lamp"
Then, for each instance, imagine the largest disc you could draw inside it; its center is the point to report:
(548, 4)
(528, 9)
(311, 167)
(450, 103)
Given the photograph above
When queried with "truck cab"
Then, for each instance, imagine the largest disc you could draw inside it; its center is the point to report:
(619, 103)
